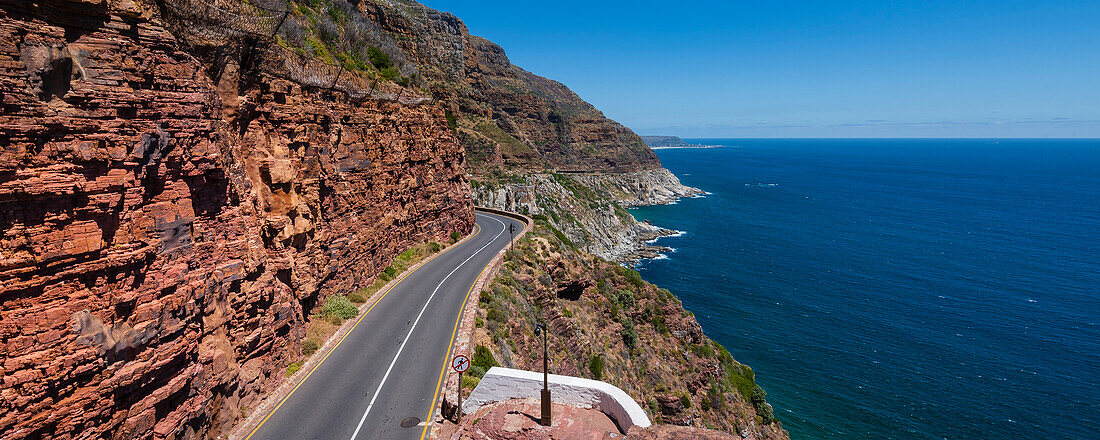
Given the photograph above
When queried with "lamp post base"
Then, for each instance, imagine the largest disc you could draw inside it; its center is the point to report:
(545, 408)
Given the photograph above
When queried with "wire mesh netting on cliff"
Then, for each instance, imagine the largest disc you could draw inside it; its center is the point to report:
(232, 15)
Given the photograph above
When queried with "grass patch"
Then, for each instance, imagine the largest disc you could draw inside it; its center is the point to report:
(339, 306)
(293, 368)
(509, 145)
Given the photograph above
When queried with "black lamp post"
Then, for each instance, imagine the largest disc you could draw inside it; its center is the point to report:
(540, 329)
(511, 232)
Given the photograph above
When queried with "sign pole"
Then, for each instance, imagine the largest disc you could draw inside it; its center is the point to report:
(460, 363)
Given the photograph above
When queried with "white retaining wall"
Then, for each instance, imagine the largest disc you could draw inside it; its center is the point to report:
(500, 384)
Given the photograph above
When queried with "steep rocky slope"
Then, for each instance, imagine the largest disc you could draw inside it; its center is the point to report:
(606, 323)
(587, 217)
(170, 215)
(182, 182)
(502, 113)
(509, 121)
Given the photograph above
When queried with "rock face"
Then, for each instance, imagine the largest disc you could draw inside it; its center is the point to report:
(648, 187)
(504, 114)
(588, 208)
(163, 234)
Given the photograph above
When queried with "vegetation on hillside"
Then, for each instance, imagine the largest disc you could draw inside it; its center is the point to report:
(334, 32)
(605, 322)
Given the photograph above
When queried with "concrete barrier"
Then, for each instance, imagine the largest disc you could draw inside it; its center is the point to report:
(500, 384)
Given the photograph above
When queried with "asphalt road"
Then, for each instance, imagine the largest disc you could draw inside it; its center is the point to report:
(387, 368)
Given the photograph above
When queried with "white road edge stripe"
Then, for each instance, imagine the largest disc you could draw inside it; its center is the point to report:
(407, 336)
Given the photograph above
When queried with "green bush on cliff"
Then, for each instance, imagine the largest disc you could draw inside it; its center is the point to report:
(388, 273)
(309, 347)
(452, 122)
(483, 358)
(625, 298)
(381, 60)
(630, 336)
(595, 366)
(339, 306)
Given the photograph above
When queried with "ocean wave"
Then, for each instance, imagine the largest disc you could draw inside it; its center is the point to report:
(674, 234)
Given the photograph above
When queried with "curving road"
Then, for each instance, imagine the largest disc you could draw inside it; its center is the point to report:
(389, 366)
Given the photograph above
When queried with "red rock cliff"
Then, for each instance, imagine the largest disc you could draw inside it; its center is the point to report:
(162, 236)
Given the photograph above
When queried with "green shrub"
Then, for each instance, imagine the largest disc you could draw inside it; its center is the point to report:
(632, 276)
(595, 366)
(630, 336)
(494, 315)
(309, 347)
(470, 381)
(685, 401)
(759, 401)
(702, 350)
(339, 306)
(625, 298)
(391, 73)
(475, 371)
(478, 322)
(379, 59)
(357, 297)
(483, 358)
(293, 368)
(658, 323)
(452, 121)
(435, 247)
(455, 236)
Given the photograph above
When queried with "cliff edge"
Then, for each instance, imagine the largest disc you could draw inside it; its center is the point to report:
(175, 203)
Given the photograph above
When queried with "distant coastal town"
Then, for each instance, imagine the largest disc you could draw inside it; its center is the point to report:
(670, 142)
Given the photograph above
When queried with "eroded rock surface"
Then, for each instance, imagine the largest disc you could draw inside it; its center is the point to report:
(163, 235)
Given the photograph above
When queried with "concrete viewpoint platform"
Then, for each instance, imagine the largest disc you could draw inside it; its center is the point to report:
(502, 384)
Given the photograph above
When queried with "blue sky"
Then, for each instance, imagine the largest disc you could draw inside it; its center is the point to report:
(814, 69)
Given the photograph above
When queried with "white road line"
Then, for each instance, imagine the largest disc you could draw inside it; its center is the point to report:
(394, 362)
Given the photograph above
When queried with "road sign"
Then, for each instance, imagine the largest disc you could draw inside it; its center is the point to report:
(460, 363)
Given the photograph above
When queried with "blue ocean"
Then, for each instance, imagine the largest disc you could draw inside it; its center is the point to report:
(898, 289)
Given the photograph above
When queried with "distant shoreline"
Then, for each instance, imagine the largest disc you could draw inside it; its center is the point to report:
(691, 146)
(671, 142)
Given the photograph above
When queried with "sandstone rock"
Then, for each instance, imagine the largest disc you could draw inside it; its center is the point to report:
(159, 252)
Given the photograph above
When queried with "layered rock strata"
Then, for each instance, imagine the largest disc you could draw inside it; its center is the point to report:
(164, 235)
(506, 115)
(647, 187)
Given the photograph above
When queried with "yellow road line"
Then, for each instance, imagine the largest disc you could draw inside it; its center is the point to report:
(450, 346)
(398, 283)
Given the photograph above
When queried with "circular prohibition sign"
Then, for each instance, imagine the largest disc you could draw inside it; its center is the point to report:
(460, 363)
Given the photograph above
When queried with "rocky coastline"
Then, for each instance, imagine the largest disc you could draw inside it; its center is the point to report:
(589, 209)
